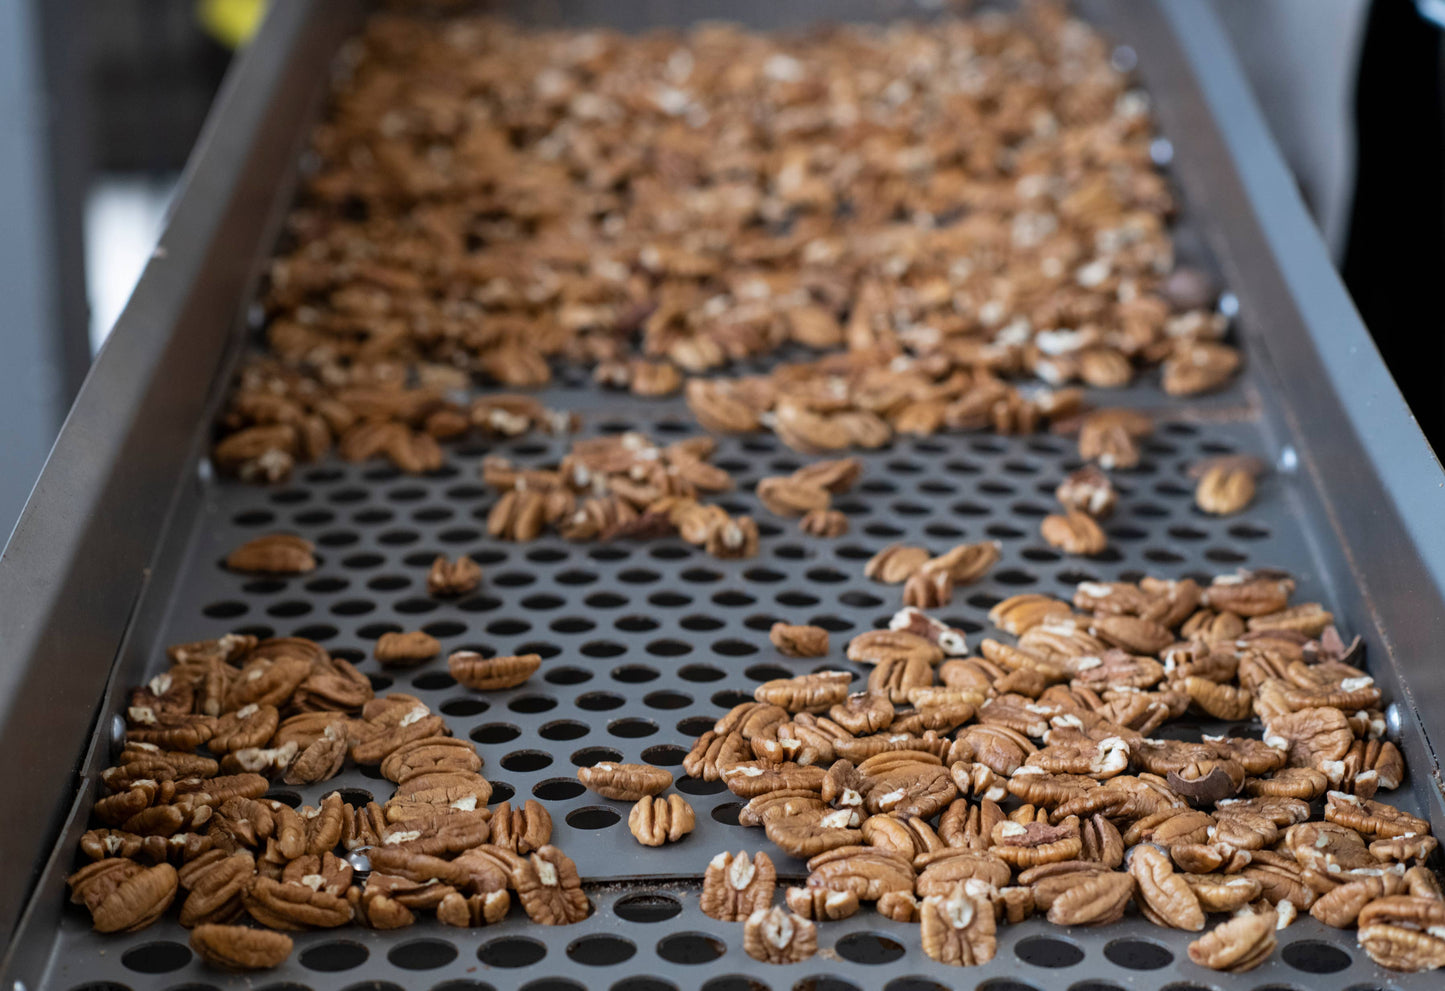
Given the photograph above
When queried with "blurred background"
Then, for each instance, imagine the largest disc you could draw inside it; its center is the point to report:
(101, 101)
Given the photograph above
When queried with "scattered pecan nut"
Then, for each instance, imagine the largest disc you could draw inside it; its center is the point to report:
(655, 820)
(492, 674)
(774, 935)
(450, 578)
(799, 641)
(276, 553)
(625, 782)
(240, 948)
(734, 886)
(404, 650)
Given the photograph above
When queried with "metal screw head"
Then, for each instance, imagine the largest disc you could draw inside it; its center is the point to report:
(1393, 720)
(1161, 151)
(1229, 305)
(358, 860)
(1124, 59)
(1288, 461)
(116, 736)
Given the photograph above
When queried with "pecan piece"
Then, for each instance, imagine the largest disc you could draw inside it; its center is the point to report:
(549, 889)
(625, 782)
(1073, 533)
(1224, 489)
(450, 578)
(492, 674)
(805, 693)
(404, 650)
(791, 497)
(215, 882)
(1241, 944)
(276, 553)
(773, 935)
(822, 903)
(895, 563)
(655, 821)
(735, 887)
(799, 641)
(1089, 491)
(240, 948)
(958, 927)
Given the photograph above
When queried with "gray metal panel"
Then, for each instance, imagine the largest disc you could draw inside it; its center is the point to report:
(1297, 524)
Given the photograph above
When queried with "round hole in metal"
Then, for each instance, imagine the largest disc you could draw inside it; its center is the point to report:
(422, 954)
(593, 817)
(1314, 956)
(606, 600)
(523, 761)
(557, 789)
(266, 586)
(564, 729)
(464, 707)
(669, 648)
(666, 700)
(495, 733)
(379, 682)
(502, 792)
(643, 984)
(727, 813)
(823, 982)
(632, 727)
(1005, 984)
(729, 697)
(600, 701)
(869, 948)
(669, 600)
(542, 601)
(860, 600)
(160, 957)
(734, 648)
(567, 624)
(457, 985)
(512, 627)
(433, 681)
(511, 951)
(914, 984)
(601, 951)
(1190, 986)
(647, 906)
(1093, 985)
(229, 609)
(733, 599)
(1048, 951)
(697, 786)
(567, 676)
(635, 674)
(735, 982)
(334, 955)
(695, 725)
(1138, 954)
(700, 673)
(532, 703)
(285, 796)
(665, 755)
(603, 648)
(588, 756)
(700, 623)
(636, 624)
(690, 948)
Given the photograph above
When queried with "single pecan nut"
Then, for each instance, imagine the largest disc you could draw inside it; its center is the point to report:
(734, 886)
(492, 674)
(773, 935)
(281, 905)
(824, 523)
(865, 871)
(958, 927)
(877, 646)
(1165, 898)
(799, 641)
(928, 589)
(431, 755)
(655, 821)
(1241, 944)
(521, 830)
(215, 882)
(240, 948)
(822, 903)
(1224, 490)
(791, 496)
(123, 896)
(1374, 819)
(965, 563)
(625, 782)
(1020, 613)
(404, 650)
(1074, 533)
(806, 693)
(1402, 932)
(276, 553)
(450, 578)
(1089, 491)
(1097, 899)
(895, 563)
(549, 888)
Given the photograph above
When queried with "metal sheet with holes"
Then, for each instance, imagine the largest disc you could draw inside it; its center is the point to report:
(645, 644)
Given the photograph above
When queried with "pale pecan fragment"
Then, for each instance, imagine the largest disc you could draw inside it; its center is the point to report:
(240, 948)
(624, 782)
(734, 887)
(773, 935)
(655, 821)
(492, 674)
(1088, 490)
(799, 641)
(1241, 944)
(949, 639)
(958, 927)
(1224, 489)
(1074, 533)
(448, 578)
(404, 650)
(549, 889)
(964, 563)
(276, 553)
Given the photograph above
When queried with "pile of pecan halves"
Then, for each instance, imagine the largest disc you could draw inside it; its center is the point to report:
(184, 819)
(1044, 777)
(934, 226)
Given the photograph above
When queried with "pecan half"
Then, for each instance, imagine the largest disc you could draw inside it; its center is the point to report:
(1073, 533)
(655, 821)
(121, 895)
(958, 927)
(799, 641)
(625, 782)
(1089, 491)
(822, 903)
(1224, 490)
(895, 563)
(450, 578)
(404, 650)
(276, 553)
(734, 887)
(549, 889)
(805, 693)
(239, 947)
(773, 935)
(825, 523)
(492, 674)
(1241, 944)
